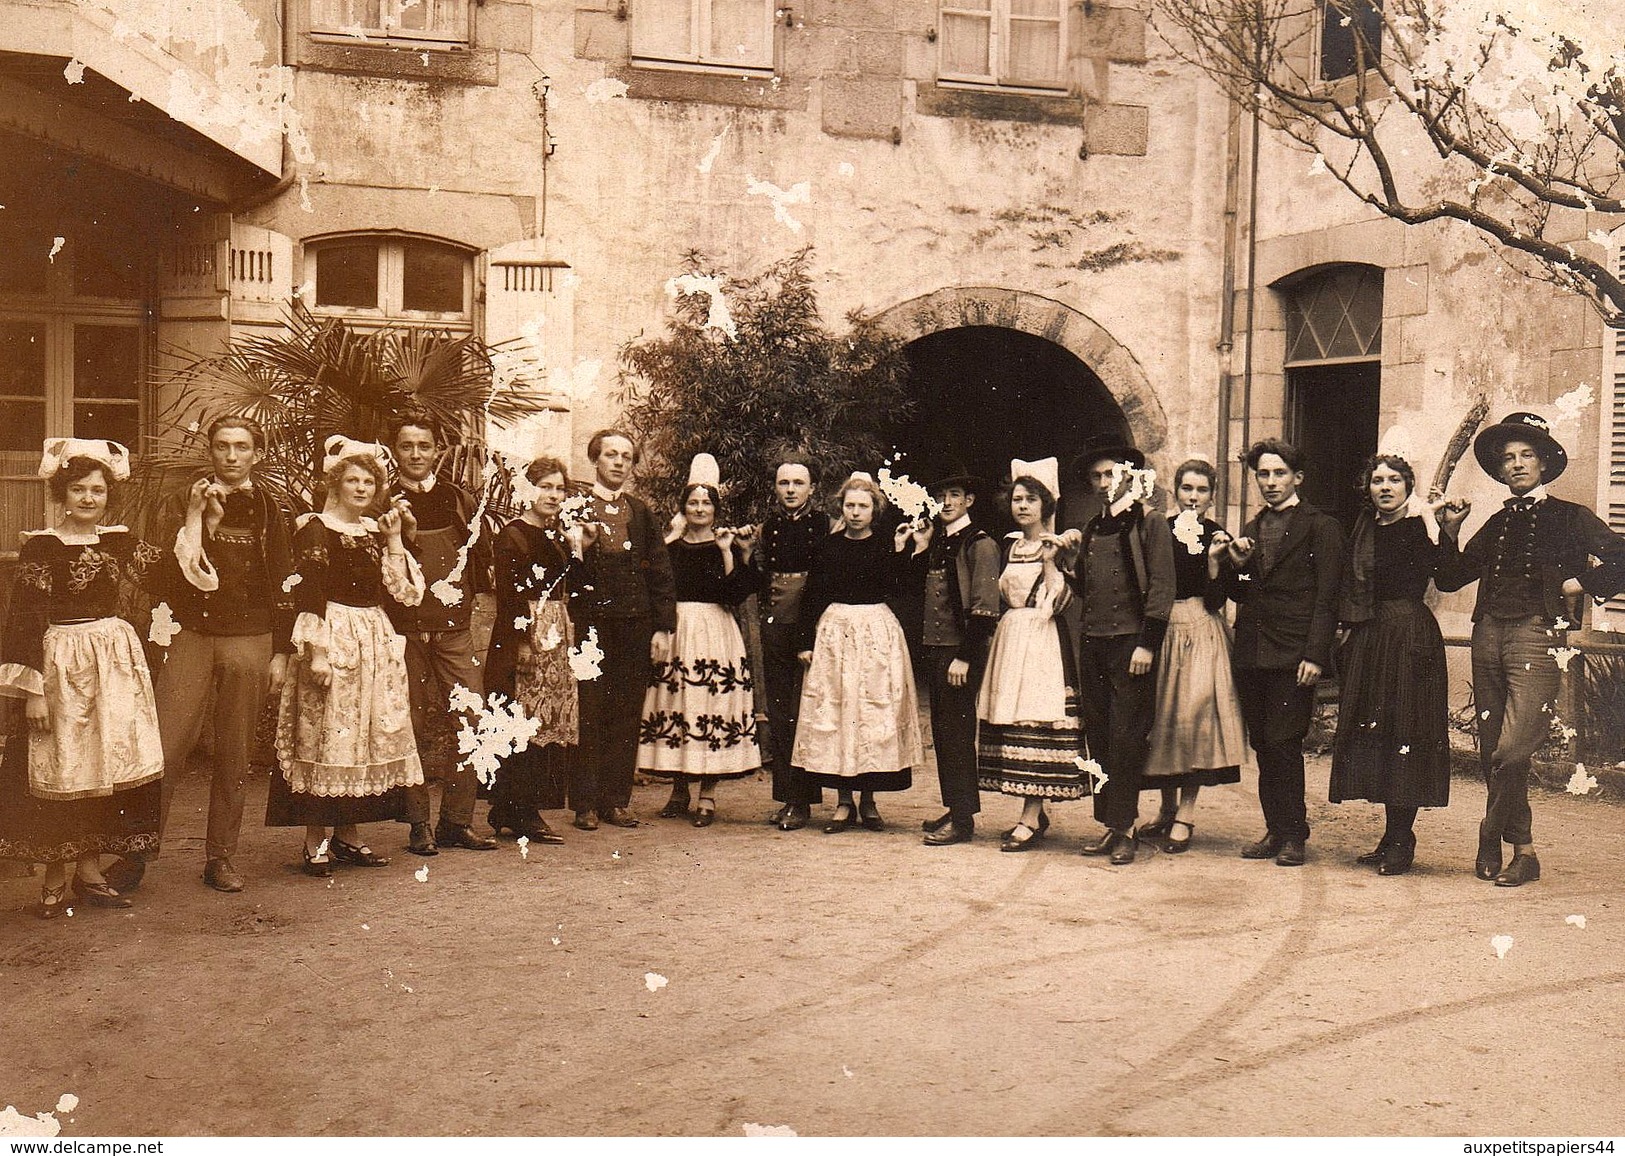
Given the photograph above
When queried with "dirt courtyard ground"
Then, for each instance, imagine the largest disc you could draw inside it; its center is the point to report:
(856, 984)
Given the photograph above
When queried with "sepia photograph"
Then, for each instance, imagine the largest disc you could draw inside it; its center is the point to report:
(913, 569)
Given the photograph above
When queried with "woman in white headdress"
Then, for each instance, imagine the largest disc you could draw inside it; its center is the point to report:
(1197, 737)
(344, 727)
(82, 766)
(858, 729)
(699, 713)
(1027, 741)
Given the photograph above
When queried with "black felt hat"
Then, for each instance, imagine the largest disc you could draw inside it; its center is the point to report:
(1491, 442)
(957, 474)
(1110, 446)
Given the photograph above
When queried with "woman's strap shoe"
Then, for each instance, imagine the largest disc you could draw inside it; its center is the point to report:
(99, 894)
(53, 901)
(1173, 846)
(362, 856)
(839, 822)
(1016, 841)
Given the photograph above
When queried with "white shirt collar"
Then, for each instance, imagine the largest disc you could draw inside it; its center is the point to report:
(242, 486)
(956, 525)
(423, 487)
(599, 490)
(1286, 505)
(348, 529)
(1538, 494)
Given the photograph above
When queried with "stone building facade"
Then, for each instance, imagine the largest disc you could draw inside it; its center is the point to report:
(1043, 199)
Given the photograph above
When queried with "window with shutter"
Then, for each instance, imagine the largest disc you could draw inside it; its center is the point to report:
(731, 34)
(1611, 435)
(430, 23)
(376, 280)
(1003, 43)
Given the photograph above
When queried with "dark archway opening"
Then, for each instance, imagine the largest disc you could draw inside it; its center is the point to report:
(988, 394)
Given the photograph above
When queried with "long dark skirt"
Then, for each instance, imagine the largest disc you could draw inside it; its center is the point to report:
(868, 781)
(34, 830)
(285, 807)
(1392, 744)
(532, 780)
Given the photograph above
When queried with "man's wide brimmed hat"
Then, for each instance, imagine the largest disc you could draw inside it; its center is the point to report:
(1110, 446)
(1520, 427)
(957, 474)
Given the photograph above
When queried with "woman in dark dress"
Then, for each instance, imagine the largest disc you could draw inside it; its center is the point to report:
(859, 726)
(1197, 739)
(536, 557)
(83, 761)
(344, 728)
(1391, 745)
(699, 715)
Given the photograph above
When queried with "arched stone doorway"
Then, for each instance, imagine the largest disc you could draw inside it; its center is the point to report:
(1001, 373)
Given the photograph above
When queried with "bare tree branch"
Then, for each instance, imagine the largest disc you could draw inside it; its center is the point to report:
(1522, 120)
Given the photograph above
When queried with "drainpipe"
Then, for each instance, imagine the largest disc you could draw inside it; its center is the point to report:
(290, 171)
(1252, 266)
(1227, 304)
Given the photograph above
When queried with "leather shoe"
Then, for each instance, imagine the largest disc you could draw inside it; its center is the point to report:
(1123, 850)
(844, 818)
(938, 823)
(1266, 848)
(1158, 826)
(795, 817)
(99, 894)
(619, 817)
(948, 835)
(1400, 855)
(421, 842)
(464, 837)
(537, 831)
(1043, 825)
(1374, 856)
(586, 820)
(125, 873)
(222, 876)
(363, 856)
(1102, 845)
(1291, 854)
(1524, 868)
(1488, 865)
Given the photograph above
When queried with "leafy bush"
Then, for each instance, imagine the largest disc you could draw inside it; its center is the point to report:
(781, 382)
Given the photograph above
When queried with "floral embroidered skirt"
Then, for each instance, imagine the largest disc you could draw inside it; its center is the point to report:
(699, 714)
(859, 724)
(91, 782)
(343, 748)
(544, 684)
(1027, 739)
(1198, 738)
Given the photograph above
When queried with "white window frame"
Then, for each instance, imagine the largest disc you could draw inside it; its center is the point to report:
(328, 19)
(694, 56)
(391, 285)
(999, 19)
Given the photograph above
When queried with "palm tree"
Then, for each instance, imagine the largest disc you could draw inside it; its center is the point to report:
(317, 377)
